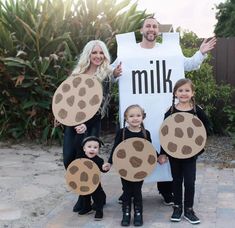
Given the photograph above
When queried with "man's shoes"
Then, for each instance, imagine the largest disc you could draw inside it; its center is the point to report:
(189, 215)
(176, 216)
(84, 211)
(168, 199)
(78, 206)
(98, 215)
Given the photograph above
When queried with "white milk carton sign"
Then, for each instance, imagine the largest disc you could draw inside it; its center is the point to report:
(148, 79)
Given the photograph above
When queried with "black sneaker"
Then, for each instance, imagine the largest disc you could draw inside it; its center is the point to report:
(189, 215)
(168, 199)
(98, 215)
(176, 216)
(85, 211)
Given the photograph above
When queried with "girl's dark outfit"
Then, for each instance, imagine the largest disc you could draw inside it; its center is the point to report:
(184, 170)
(72, 140)
(130, 189)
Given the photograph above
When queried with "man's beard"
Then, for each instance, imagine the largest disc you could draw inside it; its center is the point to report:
(153, 37)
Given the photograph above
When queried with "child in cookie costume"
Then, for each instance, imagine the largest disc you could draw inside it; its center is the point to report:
(184, 170)
(90, 149)
(134, 116)
(94, 60)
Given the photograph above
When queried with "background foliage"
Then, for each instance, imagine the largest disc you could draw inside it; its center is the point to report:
(39, 44)
(226, 19)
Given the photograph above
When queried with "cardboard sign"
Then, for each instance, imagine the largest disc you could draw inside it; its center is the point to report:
(77, 99)
(134, 159)
(182, 135)
(83, 176)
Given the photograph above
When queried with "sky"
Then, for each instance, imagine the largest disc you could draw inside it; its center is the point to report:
(196, 16)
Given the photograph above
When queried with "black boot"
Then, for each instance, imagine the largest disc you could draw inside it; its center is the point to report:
(126, 214)
(78, 206)
(138, 215)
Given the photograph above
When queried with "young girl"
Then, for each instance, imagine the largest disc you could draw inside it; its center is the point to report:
(184, 170)
(94, 60)
(134, 116)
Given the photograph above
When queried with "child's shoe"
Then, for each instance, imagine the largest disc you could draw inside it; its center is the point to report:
(84, 211)
(189, 215)
(99, 215)
(126, 215)
(176, 216)
(138, 215)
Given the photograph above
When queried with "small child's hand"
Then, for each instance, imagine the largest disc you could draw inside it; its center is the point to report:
(162, 159)
(80, 129)
(106, 166)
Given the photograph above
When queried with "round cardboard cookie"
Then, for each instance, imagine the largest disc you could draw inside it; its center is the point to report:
(134, 159)
(182, 135)
(83, 176)
(77, 99)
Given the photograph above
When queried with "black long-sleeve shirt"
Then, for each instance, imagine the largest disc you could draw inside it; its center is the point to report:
(128, 134)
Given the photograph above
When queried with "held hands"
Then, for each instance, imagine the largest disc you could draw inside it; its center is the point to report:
(206, 46)
(80, 129)
(106, 166)
(118, 70)
(162, 159)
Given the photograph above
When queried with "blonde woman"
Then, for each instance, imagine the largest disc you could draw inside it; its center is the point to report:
(94, 60)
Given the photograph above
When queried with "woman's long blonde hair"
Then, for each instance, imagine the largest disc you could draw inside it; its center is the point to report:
(83, 64)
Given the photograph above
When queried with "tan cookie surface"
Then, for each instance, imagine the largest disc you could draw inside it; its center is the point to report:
(83, 176)
(77, 99)
(182, 135)
(134, 159)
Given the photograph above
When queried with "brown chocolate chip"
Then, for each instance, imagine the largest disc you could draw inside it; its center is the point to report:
(138, 145)
(172, 147)
(62, 113)
(179, 132)
(80, 116)
(76, 82)
(135, 162)
(151, 159)
(84, 189)
(81, 104)
(94, 100)
(72, 184)
(121, 154)
(73, 169)
(165, 130)
(88, 164)
(89, 82)
(82, 91)
(199, 140)
(84, 177)
(186, 150)
(70, 100)
(190, 132)
(58, 98)
(196, 122)
(65, 88)
(179, 118)
(123, 172)
(140, 175)
(95, 179)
